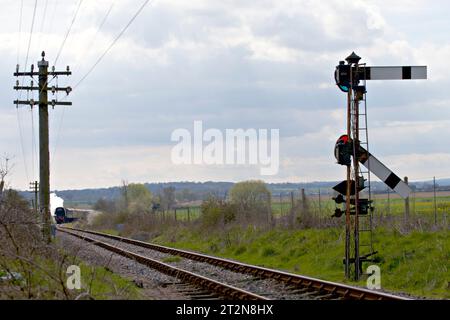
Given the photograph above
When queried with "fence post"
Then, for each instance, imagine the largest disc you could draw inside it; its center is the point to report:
(293, 215)
(435, 204)
(281, 205)
(320, 205)
(389, 202)
(406, 204)
(304, 205)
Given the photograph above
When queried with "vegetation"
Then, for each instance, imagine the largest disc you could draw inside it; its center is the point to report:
(251, 200)
(32, 269)
(302, 237)
(415, 263)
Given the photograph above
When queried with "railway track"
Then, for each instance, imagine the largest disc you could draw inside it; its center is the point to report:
(213, 288)
(295, 285)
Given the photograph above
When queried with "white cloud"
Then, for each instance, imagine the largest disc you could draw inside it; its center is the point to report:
(233, 64)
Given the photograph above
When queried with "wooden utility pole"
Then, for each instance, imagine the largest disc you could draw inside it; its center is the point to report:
(34, 186)
(44, 153)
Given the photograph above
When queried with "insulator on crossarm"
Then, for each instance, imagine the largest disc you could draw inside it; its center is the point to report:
(17, 68)
(17, 84)
(53, 69)
(31, 103)
(68, 90)
(53, 89)
(32, 67)
(68, 69)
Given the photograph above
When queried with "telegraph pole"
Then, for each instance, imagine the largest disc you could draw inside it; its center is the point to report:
(34, 186)
(44, 153)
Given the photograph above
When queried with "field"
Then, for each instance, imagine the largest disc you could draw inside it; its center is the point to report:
(421, 204)
(413, 253)
(416, 263)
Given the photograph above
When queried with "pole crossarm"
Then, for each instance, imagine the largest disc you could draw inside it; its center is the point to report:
(35, 103)
(53, 89)
(51, 73)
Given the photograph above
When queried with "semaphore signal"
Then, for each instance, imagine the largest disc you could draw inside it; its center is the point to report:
(352, 149)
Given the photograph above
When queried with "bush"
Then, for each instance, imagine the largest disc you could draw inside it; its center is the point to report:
(252, 200)
(217, 212)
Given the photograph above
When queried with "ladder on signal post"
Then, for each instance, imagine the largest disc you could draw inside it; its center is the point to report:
(365, 223)
(351, 78)
(362, 245)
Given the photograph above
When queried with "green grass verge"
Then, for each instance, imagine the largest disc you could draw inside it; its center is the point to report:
(44, 280)
(417, 263)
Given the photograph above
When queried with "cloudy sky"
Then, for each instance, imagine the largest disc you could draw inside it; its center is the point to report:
(265, 64)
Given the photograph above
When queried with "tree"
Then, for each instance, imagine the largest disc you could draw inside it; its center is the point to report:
(136, 198)
(139, 198)
(252, 199)
(105, 205)
(168, 198)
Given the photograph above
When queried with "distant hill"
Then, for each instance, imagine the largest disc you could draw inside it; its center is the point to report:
(192, 191)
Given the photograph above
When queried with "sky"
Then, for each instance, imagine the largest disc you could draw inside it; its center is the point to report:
(231, 64)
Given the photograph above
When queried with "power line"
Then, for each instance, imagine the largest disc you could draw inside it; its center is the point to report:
(112, 43)
(102, 23)
(42, 23)
(19, 121)
(33, 145)
(68, 31)
(55, 4)
(20, 30)
(96, 63)
(31, 33)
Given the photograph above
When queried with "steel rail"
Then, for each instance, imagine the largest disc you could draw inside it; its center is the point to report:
(185, 276)
(327, 287)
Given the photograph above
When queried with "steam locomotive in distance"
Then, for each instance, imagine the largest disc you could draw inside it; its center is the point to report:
(62, 215)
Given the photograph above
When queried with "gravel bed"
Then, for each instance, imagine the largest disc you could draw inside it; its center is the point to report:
(269, 288)
(154, 285)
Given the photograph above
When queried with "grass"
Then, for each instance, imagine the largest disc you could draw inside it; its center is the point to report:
(416, 263)
(44, 281)
(103, 284)
(171, 259)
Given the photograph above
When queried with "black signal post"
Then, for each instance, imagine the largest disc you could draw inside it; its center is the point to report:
(351, 151)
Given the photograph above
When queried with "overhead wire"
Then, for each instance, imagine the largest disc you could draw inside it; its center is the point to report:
(102, 23)
(65, 37)
(52, 19)
(89, 47)
(25, 65)
(20, 30)
(112, 43)
(41, 29)
(68, 31)
(124, 29)
(31, 33)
